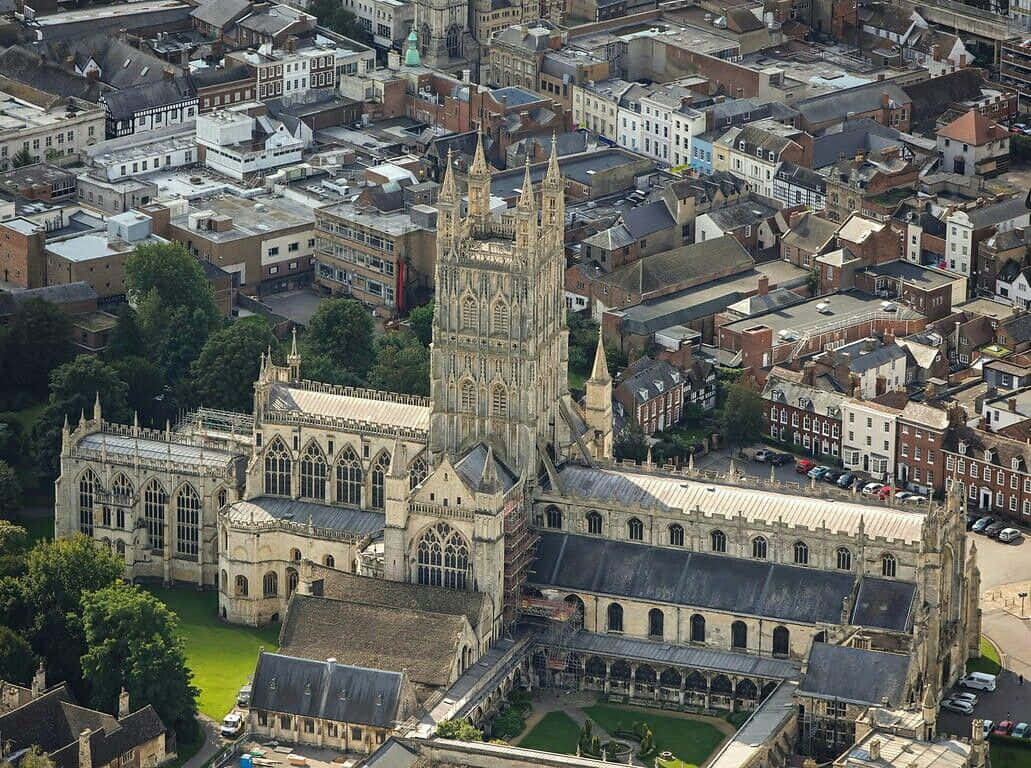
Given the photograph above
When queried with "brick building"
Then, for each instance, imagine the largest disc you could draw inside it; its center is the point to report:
(994, 472)
(808, 237)
(802, 415)
(871, 185)
(652, 391)
(920, 457)
(21, 253)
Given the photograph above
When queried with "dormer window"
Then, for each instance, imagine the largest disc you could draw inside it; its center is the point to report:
(988, 454)
(962, 448)
(1015, 463)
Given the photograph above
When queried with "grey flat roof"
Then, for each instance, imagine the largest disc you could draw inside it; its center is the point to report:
(149, 448)
(913, 273)
(573, 167)
(348, 520)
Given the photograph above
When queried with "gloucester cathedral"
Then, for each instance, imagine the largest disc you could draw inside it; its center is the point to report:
(378, 526)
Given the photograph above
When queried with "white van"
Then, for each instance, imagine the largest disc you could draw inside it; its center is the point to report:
(980, 681)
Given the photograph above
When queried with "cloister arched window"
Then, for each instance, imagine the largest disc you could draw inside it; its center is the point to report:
(760, 548)
(844, 557)
(329, 561)
(801, 553)
(676, 535)
(349, 478)
(380, 467)
(697, 628)
(499, 401)
(295, 555)
(187, 522)
(738, 635)
(223, 498)
(443, 558)
(89, 487)
(888, 565)
(467, 397)
(154, 502)
(593, 522)
(781, 641)
(270, 584)
(417, 472)
(553, 517)
(615, 617)
(469, 314)
(499, 318)
(313, 473)
(635, 529)
(718, 540)
(291, 581)
(656, 620)
(277, 469)
(122, 488)
(241, 586)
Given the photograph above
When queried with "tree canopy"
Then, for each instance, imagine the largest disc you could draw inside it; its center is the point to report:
(132, 640)
(402, 364)
(17, 661)
(338, 341)
(421, 320)
(742, 416)
(631, 442)
(38, 339)
(224, 373)
(334, 16)
(10, 490)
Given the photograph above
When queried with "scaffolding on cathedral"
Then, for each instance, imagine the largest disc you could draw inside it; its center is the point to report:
(556, 622)
(214, 420)
(520, 546)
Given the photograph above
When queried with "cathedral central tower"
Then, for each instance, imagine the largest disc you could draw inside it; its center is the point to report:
(500, 344)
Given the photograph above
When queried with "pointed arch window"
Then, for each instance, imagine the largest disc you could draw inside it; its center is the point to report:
(187, 522)
(270, 584)
(499, 402)
(277, 469)
(292, 578)
(241, 586)
(443, 558)
(453, 41)
(89, 486)
(888, 565)
(349, 478)
(154, 502)
(313, 473)
(635, 529)
(329, 561)
(615, 617)
(122, 489)
(844, 556)
(801, 553)
(380, 467)
(593, 522)
(499, 318)
(467, 397)
(718, 540)
(417, 472)
(553, 517)
(760, 548)
(676, 535)
(469, 314)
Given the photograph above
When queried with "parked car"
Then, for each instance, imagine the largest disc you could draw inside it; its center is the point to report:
(1022, 731)
(915, 498)
(980, 681)
(958, 705)
(971, 697)
(817, 472)
(972, 520)
(804, 465)
(982, 523)
(780, 459)
(243, 697)
(1003, 728)
(232, 726)
(831, 476)
(994, 529)
(762, 455)
(1006, 535)
(987, 725)
(901, 496)
(846, 480)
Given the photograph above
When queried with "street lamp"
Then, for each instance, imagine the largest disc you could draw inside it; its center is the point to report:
(1022, 596)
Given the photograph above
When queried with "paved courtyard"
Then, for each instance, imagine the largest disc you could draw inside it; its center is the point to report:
(298, 306)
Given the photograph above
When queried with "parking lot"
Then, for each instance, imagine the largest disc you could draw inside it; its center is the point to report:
(1009, 701)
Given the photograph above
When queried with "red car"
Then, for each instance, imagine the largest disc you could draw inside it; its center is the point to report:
(884, 493)
(804, 465)
(1004, 728)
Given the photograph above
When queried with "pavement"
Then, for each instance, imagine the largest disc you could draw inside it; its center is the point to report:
(212, 742)
(298, 306)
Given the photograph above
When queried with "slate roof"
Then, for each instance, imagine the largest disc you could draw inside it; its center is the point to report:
(836, 105)
(25, 65)
(997, 213)
(377, 637)
(884, 603)
(930, 96)
(64, 293)
(811, 233)
(647, 379)
(342, 519)
(689, 262)
(332, 691)
(802, 177)
(470, 467)
(696, 579)
(859, 135)
(643, 220)
(819, 401)
(745, 213)
(855, 675)
(122, 105)
(209, 76)
(220, 13)
(742, 20)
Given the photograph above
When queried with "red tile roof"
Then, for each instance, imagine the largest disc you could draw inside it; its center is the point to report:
(973, 128)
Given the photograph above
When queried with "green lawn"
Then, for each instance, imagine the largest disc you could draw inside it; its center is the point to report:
(1009, 755)
(220, 655)
(989, 661)
(691, 741)
(556, 732)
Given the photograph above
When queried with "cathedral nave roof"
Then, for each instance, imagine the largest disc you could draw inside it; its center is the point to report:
(343, 519)
(637, 489)
(334, 405)
(845, 673)
(126, 447)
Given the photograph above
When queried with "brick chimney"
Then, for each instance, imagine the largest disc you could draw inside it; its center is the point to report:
(885, 101)
(85, 754)
(1012, 403)
(794, 217)
(123, 703)
(875, 749)
(764, 285)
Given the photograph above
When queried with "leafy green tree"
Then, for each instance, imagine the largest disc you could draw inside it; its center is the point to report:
(421, 319)
(742, 417)
(38, 340)
(14, 539)
(36, 758)
(133, 640)
(459, 730)
(340, 335)
(402, 364)
(337, 18)
(127, 338)
(17, 661)
(22, 158)
(144, 386)
(12, 440)
(45, 606)
(10, 491)
(73, 389)
(508, 723)
(631, 442)
(223, 375)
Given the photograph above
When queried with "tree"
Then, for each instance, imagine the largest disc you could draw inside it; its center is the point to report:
(459, 730)
(340, 331)
(46, 606)
(631, 442)
(14, 543)
(17, 662)
(73, 389)
(742, 416)
(421, 320)
(22, 158)
(132, 640)
(10, 491)
(333, 16)
(402, 364)
(145, 385)
(12, 440)
(127, 338)
(223, 375)
(39, 339)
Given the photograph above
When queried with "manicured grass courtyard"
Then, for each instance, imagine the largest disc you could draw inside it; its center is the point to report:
(556, 732)
(220, 655)
(1009, 755)
(989, 661)
(691, 741)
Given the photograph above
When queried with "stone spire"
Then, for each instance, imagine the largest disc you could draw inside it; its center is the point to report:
(479, 168)
(598, 403)
(294, 360)
(527, 202)
(600, 371)
(448, 191)
(479, 188)
(96, 408)
(554, 175)
(489, 476)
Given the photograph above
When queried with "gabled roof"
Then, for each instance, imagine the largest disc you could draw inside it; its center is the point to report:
(798, 395)
(689, 262)
(122, 105)
(855, 675)
(747, 212)
(929, 97)
(973, 128)
(861, 99)
(220, 13)
(648, 379)
(742, 20)
(643, 220)
(471, 469)
(811, 233)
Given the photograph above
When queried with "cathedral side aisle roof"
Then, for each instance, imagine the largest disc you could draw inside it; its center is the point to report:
(159, 450)
(327, 404)
(844, 673)
(631, 489)
(264, 509)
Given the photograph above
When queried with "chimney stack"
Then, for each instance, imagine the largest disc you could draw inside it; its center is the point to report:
(123, 703)
(1012, 402)
(794, 217)
(85, 754)
(764, 285)
(875, 749)
(39, 681)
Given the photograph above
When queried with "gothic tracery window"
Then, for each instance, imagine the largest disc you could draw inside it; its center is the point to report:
(187, 522)
(500, 318)
(379, 473)
(443, 558)
(499, 401)
(844, 557)
(270, 584)
(467, 402)
(454, 42)
(122, 488)
(635, 529)
(801, 553)
(676, 535)
(313, 473)
(277, 469)
(349, 478)
(760, 548)
(469, 313)
(718, 540)
(154, 501)
(89, 485)
(417, 472)
(888, 565)
(593, 522)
